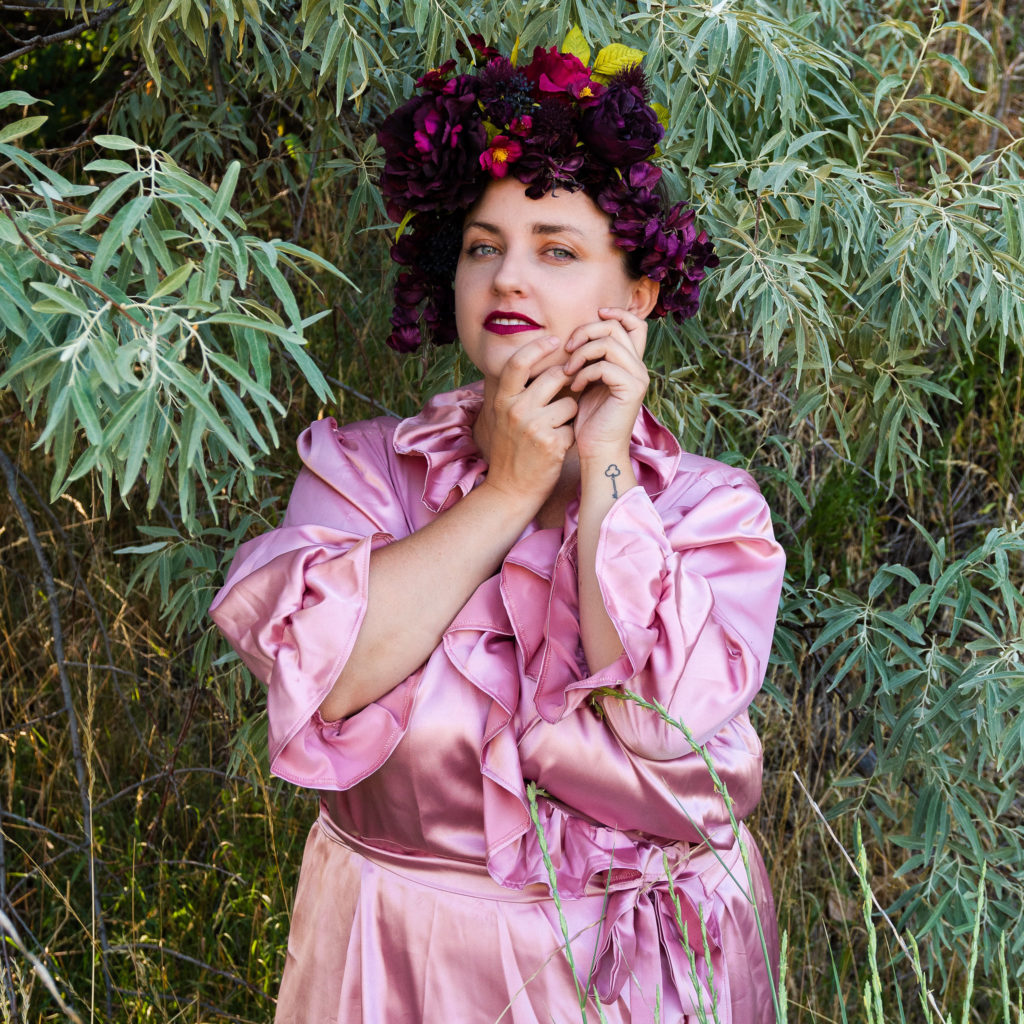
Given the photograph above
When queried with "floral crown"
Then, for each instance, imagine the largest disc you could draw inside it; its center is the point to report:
(553, 123)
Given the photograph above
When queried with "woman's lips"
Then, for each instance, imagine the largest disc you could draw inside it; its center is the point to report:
(500, 322)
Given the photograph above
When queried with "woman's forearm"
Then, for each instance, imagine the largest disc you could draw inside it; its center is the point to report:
(417, 586)
(604, 479)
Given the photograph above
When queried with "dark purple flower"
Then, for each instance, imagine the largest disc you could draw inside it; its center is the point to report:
(632, 76)
(553, 128)
(504, 92)
(439, 317)
(620, 128)
(432, 146)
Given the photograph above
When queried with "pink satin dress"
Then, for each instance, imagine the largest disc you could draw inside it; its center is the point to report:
(423, 894)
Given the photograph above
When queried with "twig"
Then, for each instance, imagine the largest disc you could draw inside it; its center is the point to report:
(65, 684)
(153, 947)
(9, 989)
(59, 267)
(109, 105)
(191, 770)
(379, 406)
(168, 773)
(36, 42)
(874, 899)
(24, 193)
(1004, 98)
(81, 582)
(305, 192)
(37, 966)
(32, 823)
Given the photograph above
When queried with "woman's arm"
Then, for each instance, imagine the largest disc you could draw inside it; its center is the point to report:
(418, 585)
(606, 359)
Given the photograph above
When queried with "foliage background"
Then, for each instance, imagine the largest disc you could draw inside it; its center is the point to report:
(193, 265)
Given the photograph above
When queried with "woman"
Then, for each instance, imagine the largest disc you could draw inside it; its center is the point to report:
(456, 604)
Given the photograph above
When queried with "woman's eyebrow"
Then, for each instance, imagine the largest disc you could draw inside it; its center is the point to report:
(556, 229)
(537, 229)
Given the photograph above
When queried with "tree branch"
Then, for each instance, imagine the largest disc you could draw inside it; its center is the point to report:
(59, 267)
(37, 42)
(50, 589)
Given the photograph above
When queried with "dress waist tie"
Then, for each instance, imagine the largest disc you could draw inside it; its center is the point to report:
(660, 934)
(639, 919)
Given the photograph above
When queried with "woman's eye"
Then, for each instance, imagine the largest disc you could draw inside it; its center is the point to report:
(561, 254)
(481, 249)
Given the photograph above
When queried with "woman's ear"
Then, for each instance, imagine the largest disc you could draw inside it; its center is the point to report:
(643, 296)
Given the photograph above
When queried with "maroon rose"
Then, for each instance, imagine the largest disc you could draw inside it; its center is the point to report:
(620, 128)
(554, 72)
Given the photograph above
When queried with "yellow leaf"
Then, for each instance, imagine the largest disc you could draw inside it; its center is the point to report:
(513, 58)
(405, 223)
(662, 112)
(576, 44)
(614, 58)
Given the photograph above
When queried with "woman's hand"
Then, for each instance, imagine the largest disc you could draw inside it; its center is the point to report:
(526, 430)
(606, 368)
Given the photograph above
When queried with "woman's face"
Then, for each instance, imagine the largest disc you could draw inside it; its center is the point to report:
(536, 267)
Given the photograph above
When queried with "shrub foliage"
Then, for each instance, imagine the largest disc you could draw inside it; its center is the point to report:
(193, 261)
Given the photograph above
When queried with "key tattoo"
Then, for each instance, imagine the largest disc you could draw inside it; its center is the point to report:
(612, 472)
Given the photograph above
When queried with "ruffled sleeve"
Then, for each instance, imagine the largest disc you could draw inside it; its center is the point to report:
(295, 598)
(692, 592)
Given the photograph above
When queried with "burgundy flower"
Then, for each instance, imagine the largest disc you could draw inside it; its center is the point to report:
(554, 72)
(620, 128)
(436, 78)
(405, 334)
(542, 173)
(479, 47)
(502, 152)
(643, 176)
(432, 146)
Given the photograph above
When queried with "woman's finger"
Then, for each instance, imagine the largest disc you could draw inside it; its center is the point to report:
(616, 379)
(607, 348)
(595, 330)
(634, 326)
(517, 372)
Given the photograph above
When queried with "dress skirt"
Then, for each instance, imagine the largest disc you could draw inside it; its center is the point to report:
(392, 938)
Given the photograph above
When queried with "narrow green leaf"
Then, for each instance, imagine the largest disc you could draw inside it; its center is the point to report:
(19, 129)
(174, 281)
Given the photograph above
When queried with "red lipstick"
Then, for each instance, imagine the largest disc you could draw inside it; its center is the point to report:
(501, 322)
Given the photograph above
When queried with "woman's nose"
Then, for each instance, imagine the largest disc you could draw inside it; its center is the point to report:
(509, 275)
